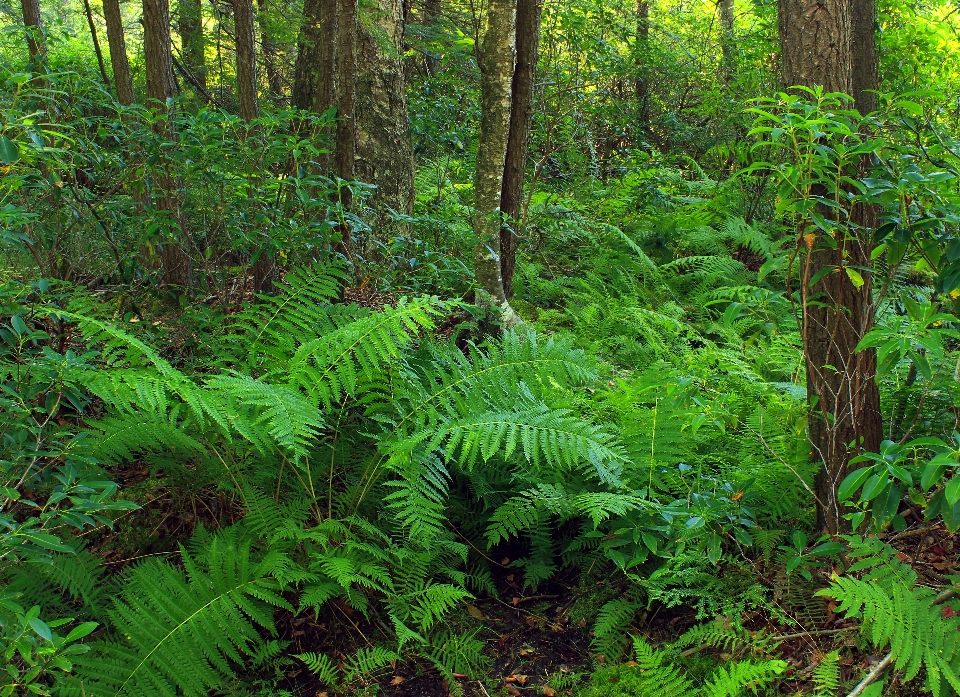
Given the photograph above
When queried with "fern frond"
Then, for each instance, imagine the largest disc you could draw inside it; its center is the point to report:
(740, 676)
(184, 630)
(323, 669)
(826, 676)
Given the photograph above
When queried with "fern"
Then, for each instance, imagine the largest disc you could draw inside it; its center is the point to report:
(321, 666)
(741, 676)
(910, 623)
(179, 633)
(826, 676)
(367, 661)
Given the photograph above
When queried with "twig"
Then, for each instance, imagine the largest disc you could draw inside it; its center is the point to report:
(815, 632)
(885, 662)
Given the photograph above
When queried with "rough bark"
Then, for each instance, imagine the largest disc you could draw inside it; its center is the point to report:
(246, 59)
(96, 42)
(345, 98)
(158, 56)
(36, 42)
(641, 84)
(269, 52)
(313, 75)
(865, 67)
(118, 52)
(192, 42)
(521, 119)
(384, 145)
(496, 59)
(816, 43)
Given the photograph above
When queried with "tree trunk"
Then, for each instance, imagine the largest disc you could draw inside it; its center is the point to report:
(118, 52)
(496, 59)
(313, 75)
(728, 41)
(274, 78)
(192, 43)
(384, 145)
(345, 87)
(641, 84)
(246, 59)
(816, 45)
(36, 41)
(865, 76)
(158, 56)
(521, 119)
(96, 42)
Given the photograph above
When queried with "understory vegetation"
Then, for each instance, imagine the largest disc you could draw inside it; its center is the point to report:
(345, 476)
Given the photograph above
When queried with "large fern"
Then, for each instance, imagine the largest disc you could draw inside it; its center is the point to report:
(179, 633)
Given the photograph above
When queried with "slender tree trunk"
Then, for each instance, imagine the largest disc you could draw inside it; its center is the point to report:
(192, 42)
(728, 40)
(96, 42)
(496, 59)
(118, 52)
(384, 146)
(521, 119)
(158, 56)
(641, 84)
(269, 51)
(36, 41)
(246, 59)
(346, 86)
(816, 40)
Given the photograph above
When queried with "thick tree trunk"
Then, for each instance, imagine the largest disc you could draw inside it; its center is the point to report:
(192, 43)
(496, 58)
(118, 52)
(384, 146)
(36, 41)
(521, 119)
(816, 40)
(728, 39)
(641, 83)
(96, 42)
(269, 51)
(246, 59)
(158, 56)
(345, 86)
(865, 78)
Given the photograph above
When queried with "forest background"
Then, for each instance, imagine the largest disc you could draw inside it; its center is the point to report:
(364, 347)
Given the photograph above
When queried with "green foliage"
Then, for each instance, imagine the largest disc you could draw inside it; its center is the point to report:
(654, 672)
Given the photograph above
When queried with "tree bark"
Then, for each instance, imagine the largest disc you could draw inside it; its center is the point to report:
(866, 77)
(36, 41)
(384, 145)
(158, 56)
(816, 43)
(246, 59)
(192, 43)
(496, 59)
(521, 120)
(345, 87)
(313, 75)
(269, 51)
(727, 36)
(118, 52)
(96, 42)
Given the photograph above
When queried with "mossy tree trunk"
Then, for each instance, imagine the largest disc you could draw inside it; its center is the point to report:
(497, 55)
(246, 38)
(384, 145)
(192, 41)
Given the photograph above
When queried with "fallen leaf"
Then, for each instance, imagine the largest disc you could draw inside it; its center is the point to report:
(513, 691)
(459, 675)
(474, 611)
(548, 691)
(516, 601)
(506, 560)
(397, 680)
